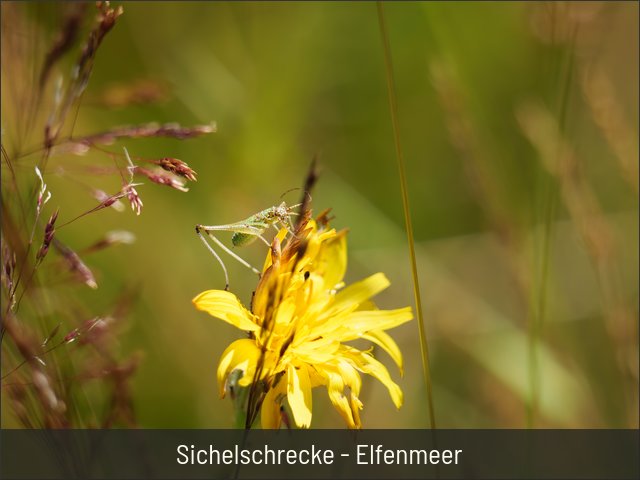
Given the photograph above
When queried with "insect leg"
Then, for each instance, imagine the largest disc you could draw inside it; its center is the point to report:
(264, 240)
(234, 255)
(288, 226)
(234, 227)
(224, 268)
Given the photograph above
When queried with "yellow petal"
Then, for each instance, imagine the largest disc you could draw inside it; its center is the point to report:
(315, 352)
(350, 376)
(316, 377)
(351, 326)
(285, 311)
(369, 365)
(241, 355)
(389, 345)
(226, 306)
(356, 406)
(270, 414)
(350, 297)
(368, 305)
(331, 262)
(299, 394)
(359, 322)
(335, 389)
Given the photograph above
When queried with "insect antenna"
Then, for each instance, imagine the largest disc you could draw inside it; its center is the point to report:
(306, 200)
(290, 190)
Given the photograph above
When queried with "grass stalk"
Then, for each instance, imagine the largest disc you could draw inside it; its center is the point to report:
(393, 107)
(539, 303)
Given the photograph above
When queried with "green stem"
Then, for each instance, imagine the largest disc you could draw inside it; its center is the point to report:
(393, 106)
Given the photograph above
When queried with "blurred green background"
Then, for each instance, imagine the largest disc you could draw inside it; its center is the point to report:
(530, 320)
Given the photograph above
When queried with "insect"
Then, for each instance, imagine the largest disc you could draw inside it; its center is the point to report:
(248, 231)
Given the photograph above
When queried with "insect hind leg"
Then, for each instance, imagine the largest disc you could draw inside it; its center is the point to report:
(264, 240)
(213, 252)
(234, 255)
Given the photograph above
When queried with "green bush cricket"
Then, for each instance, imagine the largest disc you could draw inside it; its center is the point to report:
(247, 231)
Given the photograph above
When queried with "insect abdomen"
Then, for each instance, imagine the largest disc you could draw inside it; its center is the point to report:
(241, 239)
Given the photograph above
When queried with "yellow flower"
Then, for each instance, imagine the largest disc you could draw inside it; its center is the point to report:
(301, 315)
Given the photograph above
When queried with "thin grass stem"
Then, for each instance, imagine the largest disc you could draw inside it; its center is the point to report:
(538, 311)
(393, 106)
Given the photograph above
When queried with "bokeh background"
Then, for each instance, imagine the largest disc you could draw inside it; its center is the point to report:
(519, 124)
